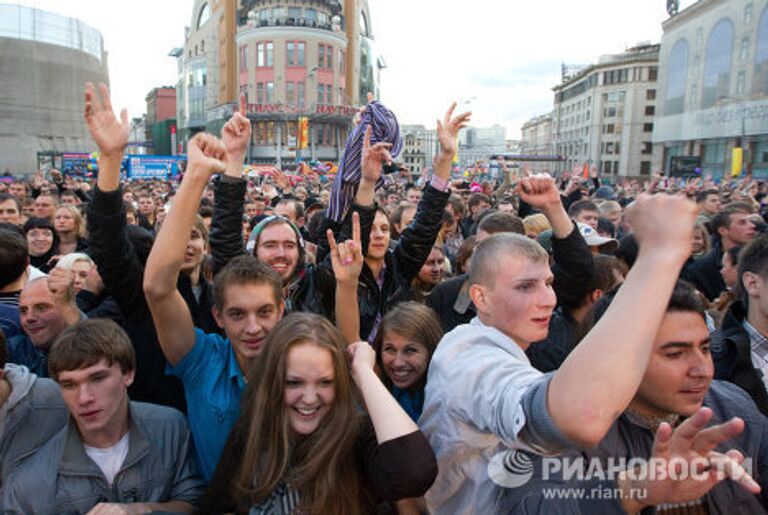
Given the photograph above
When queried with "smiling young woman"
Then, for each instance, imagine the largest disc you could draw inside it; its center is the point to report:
(302, 442)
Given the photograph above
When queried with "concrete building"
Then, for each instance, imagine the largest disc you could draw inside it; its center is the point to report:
(420, 146)
(603, 115)
(295, 59)
(713, 86)
(481, 143)
(45, 61)
(537, 141)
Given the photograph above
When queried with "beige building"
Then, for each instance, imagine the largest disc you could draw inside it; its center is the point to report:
(291, 59)
(419, 147)
(537, 142)
(713, 85)
(603, 115)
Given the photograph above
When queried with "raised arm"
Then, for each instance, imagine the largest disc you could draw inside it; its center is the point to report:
(119, 266)
(601, 376)
(573, 265)
(226, 227)
(173, 322)
(347, 262)
(388, 418)
(417, 239)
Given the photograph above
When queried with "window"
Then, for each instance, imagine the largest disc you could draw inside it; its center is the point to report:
(760, 73)
(205, 15)
(647, 148)
(653, 73)
(650, 110)
(324, 94)
(260, 92)
(647, 127)
(290, 93)
(270, 90)
(650, 94)
(748, 13)
(677, 71)
(265, 54)
(609, 112)
(609, 148)
(741, 82)
(744, 49)
(325, 56)
(609, 128)
(717, 63)
(295, 53)
(645, 168)
(243, 57)
(294, 14)
(311, 16)
(300, 94)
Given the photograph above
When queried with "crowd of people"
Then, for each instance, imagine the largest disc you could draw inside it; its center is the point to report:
(374, 344)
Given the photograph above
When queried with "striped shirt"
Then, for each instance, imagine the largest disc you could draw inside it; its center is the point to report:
(384, 128)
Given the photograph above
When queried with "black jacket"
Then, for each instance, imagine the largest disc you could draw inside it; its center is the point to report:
(704, 272)
(401, 264)
(732, 354)
(123, 276)
(307, 291)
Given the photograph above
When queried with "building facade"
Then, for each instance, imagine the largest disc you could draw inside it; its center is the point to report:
(419, 147)
(480, 144)
(537, 141)
(713, 86)
(45, 59)
(603, 115)
(297, 61)
(160, 122)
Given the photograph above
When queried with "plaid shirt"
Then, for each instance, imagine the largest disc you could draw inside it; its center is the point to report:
(759, 344)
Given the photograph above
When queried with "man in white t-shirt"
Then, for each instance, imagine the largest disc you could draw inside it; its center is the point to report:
(113, 452)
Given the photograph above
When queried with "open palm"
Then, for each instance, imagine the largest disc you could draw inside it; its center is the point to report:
(109, 133)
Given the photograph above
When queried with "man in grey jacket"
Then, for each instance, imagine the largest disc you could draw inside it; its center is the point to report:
(113, 454)
(31, 412)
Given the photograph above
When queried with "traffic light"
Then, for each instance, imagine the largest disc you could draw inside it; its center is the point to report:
(303, 132)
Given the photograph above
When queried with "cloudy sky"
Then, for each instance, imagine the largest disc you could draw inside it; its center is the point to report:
(500, 58)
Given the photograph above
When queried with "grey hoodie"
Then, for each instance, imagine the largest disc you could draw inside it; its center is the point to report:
(33, 413)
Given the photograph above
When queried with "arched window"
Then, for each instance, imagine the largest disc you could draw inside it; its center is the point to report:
(760, 78)
(205, 14)
(677, 75)
(717, 67)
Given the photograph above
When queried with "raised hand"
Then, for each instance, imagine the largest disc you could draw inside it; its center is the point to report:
(662, 222)
(374, 157)
(685, 465)
(540, 191)
(448, 130)
(110, 135)
(206, 154)
(236, 133)
(347, 257)
(362, 357)
(61, 283)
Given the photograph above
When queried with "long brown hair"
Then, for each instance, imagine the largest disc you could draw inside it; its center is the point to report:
(320, 466)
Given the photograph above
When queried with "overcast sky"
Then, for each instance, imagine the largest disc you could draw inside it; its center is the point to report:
(502, 57)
